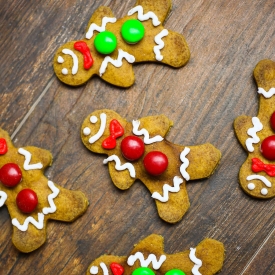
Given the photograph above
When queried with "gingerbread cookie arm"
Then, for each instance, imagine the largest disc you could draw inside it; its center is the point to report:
(203, 160)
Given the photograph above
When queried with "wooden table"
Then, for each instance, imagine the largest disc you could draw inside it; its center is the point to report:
(227, 38)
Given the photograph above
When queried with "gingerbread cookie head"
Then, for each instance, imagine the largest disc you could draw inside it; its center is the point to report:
(148, 258)
(30, 197)
(257, 136)
(111, 45)
(138, 150)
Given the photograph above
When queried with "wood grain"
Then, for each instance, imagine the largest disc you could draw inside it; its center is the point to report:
(226, 38)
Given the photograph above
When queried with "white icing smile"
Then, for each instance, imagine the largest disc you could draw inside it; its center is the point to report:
(251, 186)
(75, 62)
(101, 130)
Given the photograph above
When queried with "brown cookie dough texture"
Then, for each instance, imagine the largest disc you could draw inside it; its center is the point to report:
(207, 259)
(257, 180)
(54, 202)
(171, 48)
(184, 162)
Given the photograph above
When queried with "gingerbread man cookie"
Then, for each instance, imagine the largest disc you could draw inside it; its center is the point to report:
(138, 150)
(112, 45)
(30, 197)
(257, 136)
(148, 258)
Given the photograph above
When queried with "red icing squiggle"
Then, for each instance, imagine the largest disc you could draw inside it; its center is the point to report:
(3, 146)
(258, 166)
(84, 49)
(117, 269)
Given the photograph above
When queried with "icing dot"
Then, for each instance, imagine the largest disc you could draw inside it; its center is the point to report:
(26, 200)
(264, 191)
(105, 42)
(132, 31)
(86, 131)
(94, 270)
(64, 71)
(60, 59)
(93, 119)
(143, 271)
(251, 186)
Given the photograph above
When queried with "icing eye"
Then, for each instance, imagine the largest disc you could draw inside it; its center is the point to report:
(10, 174)
(105, 42)
(175, 272)
(132, 31)
(143, 271)
(26, 200)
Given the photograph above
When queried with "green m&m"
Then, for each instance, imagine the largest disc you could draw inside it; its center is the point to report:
(105, 42)
(132, 31)
(143, 271)
(175, 272)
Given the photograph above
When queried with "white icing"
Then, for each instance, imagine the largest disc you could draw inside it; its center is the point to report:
(167, 188)
(60, 59)
(101, 130)
(264, 192)
(86, 131)
(196, 261)
(28, 156)
(261, 178)
(120, 167)
(75, 60)
(3, 198)
(160, 44)
(93, 119)
(144, 17)
(24, 227)
(147, 139)
(251, 186)
(118, 62)
(145, 263)
(266, 94)
(55, 192)
(185, 163)
(64, 71)
(94, 270)
(257, 126)
(94, 27)
(104, 269)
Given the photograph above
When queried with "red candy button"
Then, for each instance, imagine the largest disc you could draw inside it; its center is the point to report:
(268, 148)
(155, 163)
(116, 131)
(26, 200)
(117, 269)
(132, 148)
(10, 174)
(272, 121)
(3, 146)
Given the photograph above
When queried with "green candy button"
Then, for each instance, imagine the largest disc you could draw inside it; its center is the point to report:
(132, 31)
(143, 271)
(105, 42)
(175, 272)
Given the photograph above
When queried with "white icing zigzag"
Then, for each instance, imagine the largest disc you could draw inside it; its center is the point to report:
(101, 130)
(3, 198)
(27, 165)
(52, 208)
(160, 44)
(120, 167)
(147, 139)
(75, 61)
(143, 17)
(268, 94)
(167, 188)
(25, 225)
(145, 263)
(118, 62)
(257, 126)
(94, 27)
(196, 261)
(185, 163)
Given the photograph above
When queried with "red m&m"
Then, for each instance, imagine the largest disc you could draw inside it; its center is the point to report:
(268, 148)
(272, 121)
(132, 148)
(10, 174)
(155, 163)
(26, 200)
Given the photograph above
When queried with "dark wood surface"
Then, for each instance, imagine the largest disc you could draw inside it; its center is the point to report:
(227, 38)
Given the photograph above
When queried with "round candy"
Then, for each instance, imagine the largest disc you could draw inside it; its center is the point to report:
(272, 121)
(26, 200)
(155, 163)
(105, 42)
(175, 272)
(132, 148)
(143, 271)
(10, 174)
(268, 147)
(132, 31)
